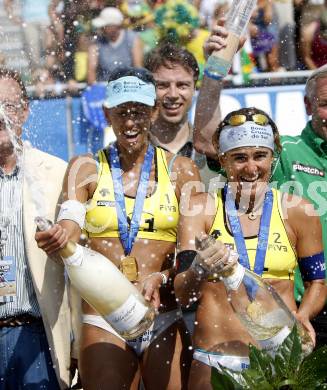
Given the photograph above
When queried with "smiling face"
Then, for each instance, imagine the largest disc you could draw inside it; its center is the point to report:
(175, 87)
(14, 111)
(131, 123)
(248, 169)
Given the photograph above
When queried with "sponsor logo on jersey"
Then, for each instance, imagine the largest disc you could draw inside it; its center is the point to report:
(167, 207)
(104, 192)
(106, 203)
(298, 167)
(277, 247)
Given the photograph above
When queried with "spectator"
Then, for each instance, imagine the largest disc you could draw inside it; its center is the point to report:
(148, 33)
(81, 57)
(35, 22)
(140, 18)
(176, 72)
(220, 11)
(314, 41)
(303, 162)
(35, 320)
(311, 10)
(264, 36)
(178, 22)
(208, 10)
(116, 46)
(41, 79)
(286, 32)
(66, 24)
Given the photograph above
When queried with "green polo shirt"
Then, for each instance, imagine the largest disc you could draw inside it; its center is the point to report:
(304, 162)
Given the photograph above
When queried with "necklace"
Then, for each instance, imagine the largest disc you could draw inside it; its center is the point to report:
(252, 216)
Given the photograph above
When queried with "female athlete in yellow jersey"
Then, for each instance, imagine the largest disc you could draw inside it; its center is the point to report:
(93, 189)
(272, 233)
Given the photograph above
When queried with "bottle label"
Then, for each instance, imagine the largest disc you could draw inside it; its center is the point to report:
(128, 315)
(233, 281)
(217, 67)
(270, 345)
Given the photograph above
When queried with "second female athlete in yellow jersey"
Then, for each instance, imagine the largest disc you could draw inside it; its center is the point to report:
(137, 234)
(271, 232)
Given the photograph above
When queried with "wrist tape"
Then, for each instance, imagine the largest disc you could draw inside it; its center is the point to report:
(72, 210)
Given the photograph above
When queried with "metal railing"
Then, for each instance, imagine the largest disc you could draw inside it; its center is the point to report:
(257, 79)
(67, 92)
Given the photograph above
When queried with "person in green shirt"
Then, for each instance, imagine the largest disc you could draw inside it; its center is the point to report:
(302, 169)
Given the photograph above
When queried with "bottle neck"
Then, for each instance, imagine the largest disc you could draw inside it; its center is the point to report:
(230, 271)
(234, 278)
(68, 250)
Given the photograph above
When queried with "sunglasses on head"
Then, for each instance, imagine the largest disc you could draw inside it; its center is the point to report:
(239, 119)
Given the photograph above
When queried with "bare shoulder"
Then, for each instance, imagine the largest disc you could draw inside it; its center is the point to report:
(185, 173)
(199, 205)
(83, 164)
(179, 162)
(300, 218)
(295, 206)
(203, 198)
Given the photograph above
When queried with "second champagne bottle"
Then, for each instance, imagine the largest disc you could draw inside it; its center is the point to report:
(105, 288)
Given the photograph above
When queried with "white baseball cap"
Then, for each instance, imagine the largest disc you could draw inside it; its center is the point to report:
(109, 16)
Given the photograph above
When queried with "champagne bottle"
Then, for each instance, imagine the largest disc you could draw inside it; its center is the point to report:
(260, 309)
(220, 62)
(105, 288)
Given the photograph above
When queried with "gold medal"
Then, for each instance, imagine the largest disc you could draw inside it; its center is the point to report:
(128, 266)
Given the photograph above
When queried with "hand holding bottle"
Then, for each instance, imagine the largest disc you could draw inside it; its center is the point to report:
(218, 39)
(149, 286)
(104, 287)
(213, 257)
(305, 322)
(51, 240)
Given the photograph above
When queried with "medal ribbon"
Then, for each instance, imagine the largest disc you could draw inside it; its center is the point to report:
(127, 236)
(238, 234)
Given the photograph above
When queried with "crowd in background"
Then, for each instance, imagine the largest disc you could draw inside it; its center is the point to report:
(83, 41)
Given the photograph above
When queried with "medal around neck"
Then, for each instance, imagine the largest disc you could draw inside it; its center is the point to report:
(128, 266)
(252, 216)
(105, 288)
(128, 232)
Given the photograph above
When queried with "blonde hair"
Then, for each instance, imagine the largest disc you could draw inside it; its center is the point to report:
(310, 86)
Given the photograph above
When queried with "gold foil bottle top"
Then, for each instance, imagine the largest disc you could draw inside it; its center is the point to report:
(44, 224)
(68, 250)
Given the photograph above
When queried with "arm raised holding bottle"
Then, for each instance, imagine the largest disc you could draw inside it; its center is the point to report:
(226, 38)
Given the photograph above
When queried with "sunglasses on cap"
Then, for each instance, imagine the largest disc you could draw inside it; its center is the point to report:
(239, 119)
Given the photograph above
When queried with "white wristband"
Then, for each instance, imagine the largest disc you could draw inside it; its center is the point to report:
(74, 211)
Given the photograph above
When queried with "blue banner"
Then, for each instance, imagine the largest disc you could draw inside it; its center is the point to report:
(67, 127)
